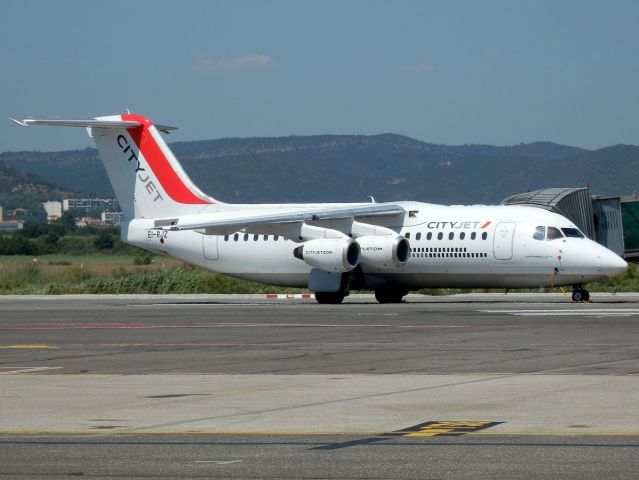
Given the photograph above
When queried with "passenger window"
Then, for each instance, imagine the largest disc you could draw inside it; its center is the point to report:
(276, 238)
(418, 236)
(554, 233)
(407, 235)
(451, 235)
(429, 235)
(572, 232)
(473, 236)
(462, 235)
(540, 233)
(484, 235)
(236, 237)
(226, 238)
(246, 235)
(440, 235)
(265, 237)
(255, 237)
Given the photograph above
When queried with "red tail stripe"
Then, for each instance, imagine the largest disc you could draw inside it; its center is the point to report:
(159, 164)
(486, 224)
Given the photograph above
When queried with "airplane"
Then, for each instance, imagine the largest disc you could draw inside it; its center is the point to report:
(333, 248)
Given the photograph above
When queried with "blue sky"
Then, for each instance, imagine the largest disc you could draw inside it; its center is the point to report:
(454, 72)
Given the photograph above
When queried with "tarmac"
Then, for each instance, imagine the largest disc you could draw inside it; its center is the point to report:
(478, 385)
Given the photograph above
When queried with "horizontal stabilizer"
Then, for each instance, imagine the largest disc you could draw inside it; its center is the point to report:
(87, 123)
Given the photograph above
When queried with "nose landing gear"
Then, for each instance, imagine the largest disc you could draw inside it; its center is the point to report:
(580, 294)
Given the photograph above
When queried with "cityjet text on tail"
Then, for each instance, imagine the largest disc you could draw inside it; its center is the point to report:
(334, 248)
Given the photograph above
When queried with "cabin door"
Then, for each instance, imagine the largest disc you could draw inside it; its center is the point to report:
(503, 240)
(209, 247)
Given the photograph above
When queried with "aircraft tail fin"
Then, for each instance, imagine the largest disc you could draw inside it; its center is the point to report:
(148, 180)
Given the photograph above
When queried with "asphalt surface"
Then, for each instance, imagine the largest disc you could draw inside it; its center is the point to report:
(473, 386)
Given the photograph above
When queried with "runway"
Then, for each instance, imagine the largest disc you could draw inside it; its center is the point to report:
(243, 387)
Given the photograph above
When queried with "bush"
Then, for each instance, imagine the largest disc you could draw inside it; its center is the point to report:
(15, 245)
(104, 240)
(142, 258)
(75, 245)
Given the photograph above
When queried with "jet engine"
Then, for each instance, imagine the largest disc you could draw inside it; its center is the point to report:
(330, 254)
(384, 251)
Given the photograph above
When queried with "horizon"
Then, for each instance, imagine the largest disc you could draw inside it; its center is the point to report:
(91, 145)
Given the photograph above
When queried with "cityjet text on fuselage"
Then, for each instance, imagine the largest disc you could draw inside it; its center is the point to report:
(469, 225)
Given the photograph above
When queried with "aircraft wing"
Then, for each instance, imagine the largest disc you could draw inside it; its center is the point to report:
(239, 219)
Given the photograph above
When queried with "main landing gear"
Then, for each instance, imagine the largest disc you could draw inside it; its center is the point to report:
(390, 295)
(580, 294)
(330, 298)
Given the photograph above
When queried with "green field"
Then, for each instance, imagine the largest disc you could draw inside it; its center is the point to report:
(104, 273)
(109, 273)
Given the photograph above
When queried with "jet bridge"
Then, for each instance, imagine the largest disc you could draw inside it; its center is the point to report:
(611, 221)
(573, 203)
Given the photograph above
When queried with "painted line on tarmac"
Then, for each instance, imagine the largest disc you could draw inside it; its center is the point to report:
(21, 347)
(219, 462)
(153, 326)
(600, 312)
(263, 433)
(20, 370)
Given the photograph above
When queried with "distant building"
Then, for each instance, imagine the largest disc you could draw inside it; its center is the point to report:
(90, 221)
(10, 225)
(103, 204)
(114, 218)
(53, 209)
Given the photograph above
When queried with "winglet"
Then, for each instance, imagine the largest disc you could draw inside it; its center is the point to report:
(21, 123)
(165, 128)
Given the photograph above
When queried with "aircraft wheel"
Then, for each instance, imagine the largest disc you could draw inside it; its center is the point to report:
(329, 298)
(585, 295)
(389, 296)
(578, 296)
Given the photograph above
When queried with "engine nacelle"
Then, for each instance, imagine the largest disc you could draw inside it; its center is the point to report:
(384, 251)
(330, 254)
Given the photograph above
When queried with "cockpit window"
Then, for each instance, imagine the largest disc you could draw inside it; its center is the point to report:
(572, 232)
(540, 233)
(554, 233)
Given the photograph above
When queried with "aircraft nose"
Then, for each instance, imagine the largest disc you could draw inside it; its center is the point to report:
(612, 264)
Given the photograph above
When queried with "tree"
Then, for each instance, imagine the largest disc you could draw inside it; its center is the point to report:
(67, 221)
(104, 240)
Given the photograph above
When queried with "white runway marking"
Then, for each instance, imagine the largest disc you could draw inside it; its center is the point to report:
(218, 462)
(575, 312)
(17, 370)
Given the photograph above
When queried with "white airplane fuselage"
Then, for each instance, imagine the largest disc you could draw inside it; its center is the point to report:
(480, 247)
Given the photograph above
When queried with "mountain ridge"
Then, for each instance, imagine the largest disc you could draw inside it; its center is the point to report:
(338, 168)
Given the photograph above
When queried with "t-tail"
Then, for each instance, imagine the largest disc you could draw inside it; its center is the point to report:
(148, 180)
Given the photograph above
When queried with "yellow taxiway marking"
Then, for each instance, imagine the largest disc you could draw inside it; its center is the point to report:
(25, 346)
(444, 428)
(301, 433)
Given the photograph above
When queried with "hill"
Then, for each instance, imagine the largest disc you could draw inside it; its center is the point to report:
(19, 189)
(351, 167)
